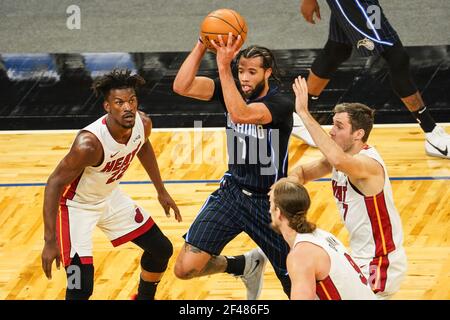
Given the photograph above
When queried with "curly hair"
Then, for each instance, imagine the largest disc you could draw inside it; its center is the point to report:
(293, 201)
(117, 79)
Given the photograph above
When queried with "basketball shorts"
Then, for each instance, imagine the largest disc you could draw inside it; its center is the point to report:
(230, 210)
(362, 24)
(118, 217)
(385, 274)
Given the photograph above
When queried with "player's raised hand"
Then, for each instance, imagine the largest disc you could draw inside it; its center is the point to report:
(308, 8)
(225, 53)
(301, 95)
(167, 203)
(49, 253)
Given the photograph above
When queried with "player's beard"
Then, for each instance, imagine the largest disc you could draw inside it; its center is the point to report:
(251, 95)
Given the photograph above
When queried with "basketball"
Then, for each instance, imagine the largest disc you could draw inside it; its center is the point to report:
(221, 22)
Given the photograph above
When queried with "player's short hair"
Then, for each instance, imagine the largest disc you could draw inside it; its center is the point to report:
(293, 201)
(117, 79)
(360, 115)
(268, 59)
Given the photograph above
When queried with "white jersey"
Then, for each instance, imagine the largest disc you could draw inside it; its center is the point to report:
(95, 184)
(345, 281)
(374, 226)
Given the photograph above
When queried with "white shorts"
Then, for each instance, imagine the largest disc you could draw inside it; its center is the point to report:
(385, 274)
(118, 217)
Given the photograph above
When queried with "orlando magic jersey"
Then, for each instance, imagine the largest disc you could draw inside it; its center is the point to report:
(257, 153)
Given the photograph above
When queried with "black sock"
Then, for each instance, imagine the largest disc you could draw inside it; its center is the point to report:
(425, 120)
(146, 290)
(235, 265)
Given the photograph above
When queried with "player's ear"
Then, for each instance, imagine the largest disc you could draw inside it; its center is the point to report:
(359, 134)
(106, 106)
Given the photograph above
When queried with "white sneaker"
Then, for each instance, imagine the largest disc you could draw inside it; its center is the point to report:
(437, 143)
(299, 131)
(255, 263)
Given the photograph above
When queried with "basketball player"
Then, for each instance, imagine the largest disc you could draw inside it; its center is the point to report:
(259, 123)
(318, 263)
(361, 188)
(350, 27)
(83, 192)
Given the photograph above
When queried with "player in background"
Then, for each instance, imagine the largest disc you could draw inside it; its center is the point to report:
(351, 27)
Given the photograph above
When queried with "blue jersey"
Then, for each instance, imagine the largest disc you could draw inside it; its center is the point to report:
(257, 153)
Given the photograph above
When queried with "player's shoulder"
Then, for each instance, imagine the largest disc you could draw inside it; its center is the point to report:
(146, 121)
(86, 142)
(280, 102)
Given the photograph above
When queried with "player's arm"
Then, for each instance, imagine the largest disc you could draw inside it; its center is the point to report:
(85, 151)
(308, 8)
(311, 171)
(356, 167)
(147, 157)
(302, 271)
(186, 82)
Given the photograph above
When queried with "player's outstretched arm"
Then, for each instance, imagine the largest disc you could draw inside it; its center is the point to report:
(85, 151)
(356, 167)
(187, 83)
(311, 171)
(147, 157)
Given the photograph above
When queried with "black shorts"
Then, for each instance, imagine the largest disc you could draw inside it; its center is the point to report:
(226, 213)
(351, 23)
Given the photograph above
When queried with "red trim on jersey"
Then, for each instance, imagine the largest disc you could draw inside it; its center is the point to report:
(366, 147)
(87, 260)
(104, 120)
(134, 234)
(70, 192)
(326, 290)
(381, 224)
(378, 270)
(63, 234)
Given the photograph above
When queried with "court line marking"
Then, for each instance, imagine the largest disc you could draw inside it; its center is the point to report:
(42, 184)
(206, 129)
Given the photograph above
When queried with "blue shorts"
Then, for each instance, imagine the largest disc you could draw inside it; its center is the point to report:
(362, 24)
(230, 210)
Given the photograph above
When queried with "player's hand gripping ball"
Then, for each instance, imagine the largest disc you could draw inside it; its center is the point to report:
(221, 22)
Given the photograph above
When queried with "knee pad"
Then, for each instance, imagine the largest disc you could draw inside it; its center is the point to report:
(80, 280)
(399, 69)
(157, 250)
(152, 262)
(330, 58)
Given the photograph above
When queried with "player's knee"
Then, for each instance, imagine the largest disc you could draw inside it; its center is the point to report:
(399, 69)
(397, 59)
(80, 281)
(185, 268)
(157, 261)
(181, 272)
(330, 58)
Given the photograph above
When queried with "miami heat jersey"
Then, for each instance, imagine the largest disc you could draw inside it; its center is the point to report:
(374, 226)
(345, 280)
(96, 183)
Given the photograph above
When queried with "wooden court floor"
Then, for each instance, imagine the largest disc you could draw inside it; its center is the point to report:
(424, 205)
